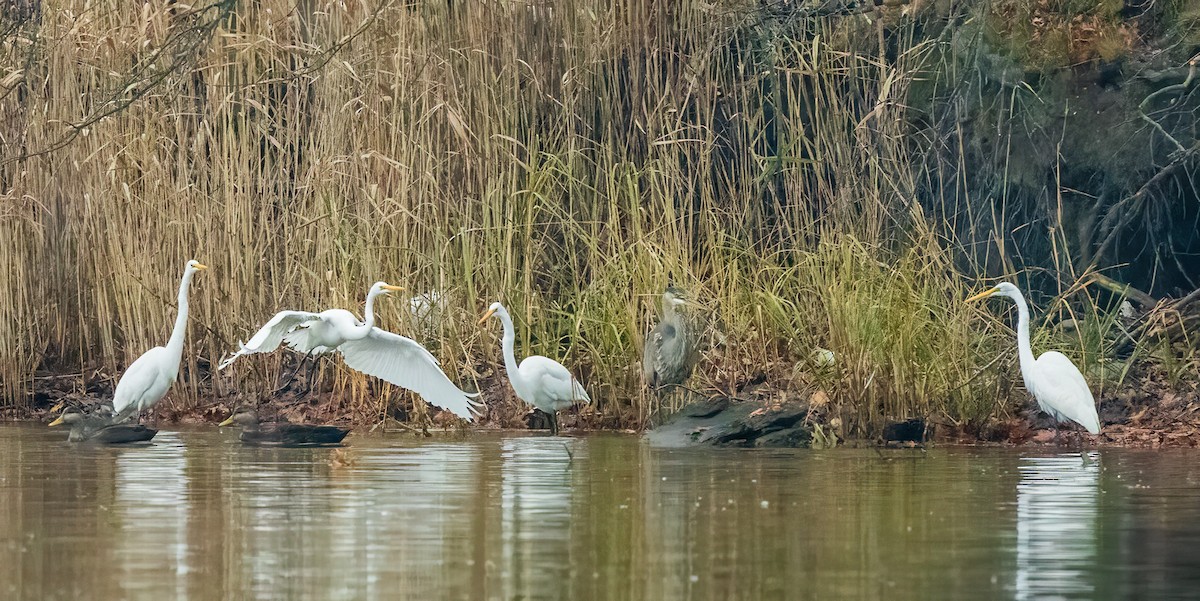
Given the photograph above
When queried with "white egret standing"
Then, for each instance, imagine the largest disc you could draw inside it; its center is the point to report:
(147, 380)
(365, 348)
(1052, 379)
(539, 381)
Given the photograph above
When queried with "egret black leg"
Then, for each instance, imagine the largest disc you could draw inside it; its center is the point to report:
(287, 380)
(308, 378)
(554, 423)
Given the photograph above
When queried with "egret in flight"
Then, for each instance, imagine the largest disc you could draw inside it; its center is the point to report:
(1052, 379)
(539, 381)
(148, 378)
(364, 348)
(670, 350)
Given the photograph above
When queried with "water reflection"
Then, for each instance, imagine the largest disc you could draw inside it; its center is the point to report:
(198, 516)
(535, 514)
(1057, 523)
(150, 506)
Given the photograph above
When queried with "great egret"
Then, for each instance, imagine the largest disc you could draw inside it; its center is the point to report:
(1052, 379)
(86, 428)
(282, 434)
(425, 310)
(670, 351)
(365, 348)
(147, 379)
(539, 381)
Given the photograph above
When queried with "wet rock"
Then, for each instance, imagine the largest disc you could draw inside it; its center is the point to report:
(725, 422)
(912, 430)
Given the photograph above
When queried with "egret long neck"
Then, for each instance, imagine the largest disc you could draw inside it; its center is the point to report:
(509, 344)
(1024, 350)
(175, 344)
(369, 311)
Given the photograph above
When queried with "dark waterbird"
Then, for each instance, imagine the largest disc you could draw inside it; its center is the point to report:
(283, 434)
(671, 349)
(92, 428)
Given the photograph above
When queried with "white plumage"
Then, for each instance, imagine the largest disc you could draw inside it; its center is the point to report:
(539, 381)
(147, 380)
(1052, 379)
(1061, 391)
(365, 348)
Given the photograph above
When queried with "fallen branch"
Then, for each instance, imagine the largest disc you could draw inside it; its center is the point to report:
(1172, 89)
(1187, 300)
(1126, 290)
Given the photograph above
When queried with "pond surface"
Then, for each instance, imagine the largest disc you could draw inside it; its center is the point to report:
(196, 515)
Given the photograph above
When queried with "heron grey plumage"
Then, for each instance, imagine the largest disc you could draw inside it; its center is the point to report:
(671, 349)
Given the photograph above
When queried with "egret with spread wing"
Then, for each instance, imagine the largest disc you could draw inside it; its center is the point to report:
(365, 348)
(148, 378)
(1052, 379)
(539, 381)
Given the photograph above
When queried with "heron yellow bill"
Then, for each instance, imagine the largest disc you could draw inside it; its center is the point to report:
(984, 294)
(228, 422)
(201, 266)
(57, 422)
(486, 315)
(392, 288)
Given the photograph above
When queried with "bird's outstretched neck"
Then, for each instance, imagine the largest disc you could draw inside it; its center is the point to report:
(369, 311)
(362, 331)
(175, 344)
(1024, 349)
(509, 344)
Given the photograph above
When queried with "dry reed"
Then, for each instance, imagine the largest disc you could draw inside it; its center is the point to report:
(565, 157)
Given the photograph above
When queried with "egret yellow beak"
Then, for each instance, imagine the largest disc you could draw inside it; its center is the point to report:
(486, 315)
(201, 266)
(983, 294)
(392, 288)
(57, 422)
(227, 422)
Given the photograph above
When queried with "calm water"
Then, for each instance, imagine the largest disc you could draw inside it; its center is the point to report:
(198, 516)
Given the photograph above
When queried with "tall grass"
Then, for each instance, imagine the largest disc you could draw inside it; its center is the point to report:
(567, 158)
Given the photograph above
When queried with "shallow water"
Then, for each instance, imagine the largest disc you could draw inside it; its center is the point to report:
(198, 516)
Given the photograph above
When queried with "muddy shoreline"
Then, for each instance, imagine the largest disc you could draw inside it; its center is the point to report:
(1146, 415)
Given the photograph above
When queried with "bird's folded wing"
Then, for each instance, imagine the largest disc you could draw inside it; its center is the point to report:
(1061, 386)
(268, 337)
(405, 363)
(555, 379)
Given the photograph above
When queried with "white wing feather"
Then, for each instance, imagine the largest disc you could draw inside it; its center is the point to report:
(300, 339)
(1060, 386)
(405, 363)
(268, 337)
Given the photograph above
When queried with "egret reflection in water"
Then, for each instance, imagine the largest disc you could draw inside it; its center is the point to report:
(197, 515)
(151, 490)
(536, 497)
(1057, 519)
